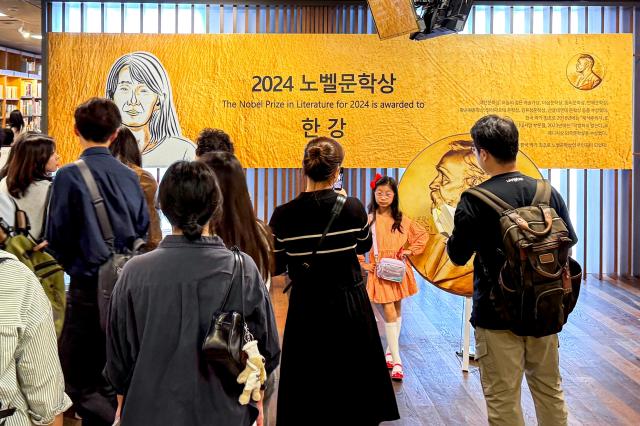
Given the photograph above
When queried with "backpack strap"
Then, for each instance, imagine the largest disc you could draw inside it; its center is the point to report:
(45, 217)
(21, 224)
(491, 199)
(543, 193)
(98, 203)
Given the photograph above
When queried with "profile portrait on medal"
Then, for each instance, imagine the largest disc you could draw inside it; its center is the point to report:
(456, 171)
(585, 71)
(430, 191)
(140, 87)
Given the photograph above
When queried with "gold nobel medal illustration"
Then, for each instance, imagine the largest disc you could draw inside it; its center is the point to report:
(585, 71)
(429, 192)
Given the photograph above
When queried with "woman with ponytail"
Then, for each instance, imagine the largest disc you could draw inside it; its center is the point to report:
(395, 237)
(162, 307)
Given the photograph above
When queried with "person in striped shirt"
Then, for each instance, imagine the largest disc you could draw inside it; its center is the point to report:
(31, 380)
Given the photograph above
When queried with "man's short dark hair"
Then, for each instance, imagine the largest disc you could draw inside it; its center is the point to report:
(498, 136)
(212, 140)
(97, 119)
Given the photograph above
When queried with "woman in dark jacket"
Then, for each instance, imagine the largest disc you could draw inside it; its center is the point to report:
(329, 307)
(162, 307)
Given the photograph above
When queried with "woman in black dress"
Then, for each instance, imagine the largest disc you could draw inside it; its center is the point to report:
(329, 308)
(162, 307)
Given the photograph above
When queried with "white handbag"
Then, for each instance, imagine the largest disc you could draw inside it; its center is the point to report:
(386, 268)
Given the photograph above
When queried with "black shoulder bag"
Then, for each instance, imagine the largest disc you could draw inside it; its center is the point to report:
(111, 268)
(335, 212)
(228, 331)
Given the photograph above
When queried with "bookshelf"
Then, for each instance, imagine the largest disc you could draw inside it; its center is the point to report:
(21, 86)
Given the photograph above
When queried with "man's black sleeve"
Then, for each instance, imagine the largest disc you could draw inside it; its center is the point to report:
(463, 241)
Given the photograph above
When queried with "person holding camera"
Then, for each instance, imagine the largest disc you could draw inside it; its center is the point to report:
(330, 336)
(509, 346)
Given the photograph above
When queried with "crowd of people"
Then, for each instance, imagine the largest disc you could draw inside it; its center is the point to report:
(146, 366)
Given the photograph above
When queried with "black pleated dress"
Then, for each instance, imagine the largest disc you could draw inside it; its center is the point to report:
(333, 370)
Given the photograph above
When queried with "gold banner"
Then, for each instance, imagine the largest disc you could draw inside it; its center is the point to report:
(384, 100)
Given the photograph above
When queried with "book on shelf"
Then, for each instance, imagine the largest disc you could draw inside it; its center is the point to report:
(11, 92)
(34, 125)
(28, 92)
(27, 109)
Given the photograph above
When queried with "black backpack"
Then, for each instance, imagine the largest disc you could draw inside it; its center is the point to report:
(538, 284)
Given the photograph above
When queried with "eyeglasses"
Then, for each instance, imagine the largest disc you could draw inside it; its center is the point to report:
(381, 194)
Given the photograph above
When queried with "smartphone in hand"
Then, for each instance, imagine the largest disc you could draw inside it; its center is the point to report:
(338, 185)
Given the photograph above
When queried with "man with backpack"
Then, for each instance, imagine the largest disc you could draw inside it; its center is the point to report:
(520, 231)
(77, 239)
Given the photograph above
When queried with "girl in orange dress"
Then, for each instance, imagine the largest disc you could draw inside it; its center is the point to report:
(397, 237)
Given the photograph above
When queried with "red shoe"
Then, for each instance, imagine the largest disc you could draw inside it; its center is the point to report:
(397, 373)
(389, 360)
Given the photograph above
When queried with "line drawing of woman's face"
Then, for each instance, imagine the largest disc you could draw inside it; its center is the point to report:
(136, 101)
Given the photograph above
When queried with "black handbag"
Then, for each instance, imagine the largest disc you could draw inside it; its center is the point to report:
(228, 332)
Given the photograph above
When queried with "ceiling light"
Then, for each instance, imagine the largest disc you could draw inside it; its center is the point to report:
(2, 14)
(36, 36)
(23, 32)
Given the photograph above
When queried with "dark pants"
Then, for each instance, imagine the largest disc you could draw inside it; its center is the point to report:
(83, 355)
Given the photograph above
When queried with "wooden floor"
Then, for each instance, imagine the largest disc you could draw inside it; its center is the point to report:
(599, 357)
